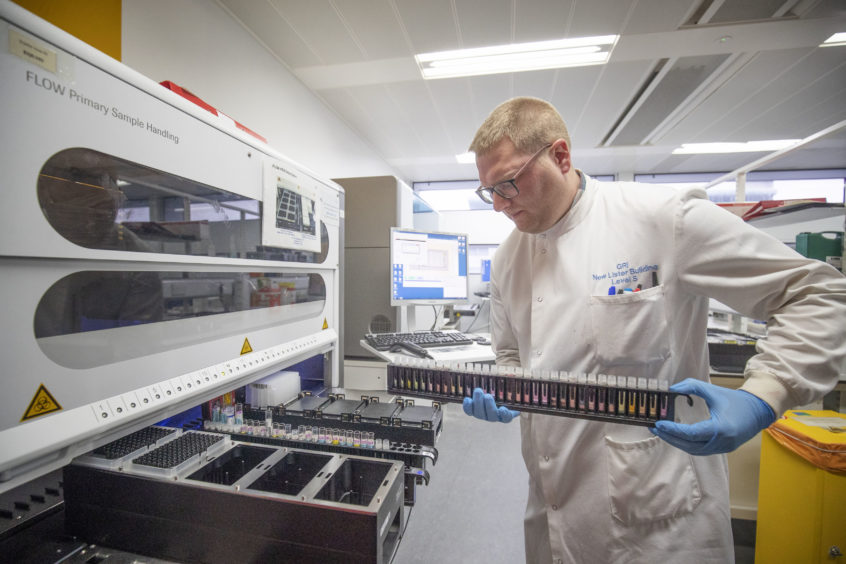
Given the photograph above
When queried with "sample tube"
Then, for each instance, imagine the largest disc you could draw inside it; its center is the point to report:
(612, 394)
(591, 392)
(653, 398)
(572, 391)
(642, 397)
(216, 413)
(664, 392)
(631, 383)
(553, 389)
(602, 392)
(581, 391)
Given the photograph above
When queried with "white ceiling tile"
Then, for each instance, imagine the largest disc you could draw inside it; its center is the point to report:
(483, 23)
(273, 31)
(375, 24)
(321, 28)
(652, 16)
(546, 19)
(431, 25)
(600, 17)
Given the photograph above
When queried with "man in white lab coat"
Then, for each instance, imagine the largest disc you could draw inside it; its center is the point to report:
(605, 492)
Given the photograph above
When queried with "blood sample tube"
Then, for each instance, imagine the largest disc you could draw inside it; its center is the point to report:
(612, 394)
(601, 392)
(631, 384)
(653, 398)
(591, 392)
(642, 397)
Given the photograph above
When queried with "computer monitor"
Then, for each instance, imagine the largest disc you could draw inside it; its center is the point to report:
(428, 267)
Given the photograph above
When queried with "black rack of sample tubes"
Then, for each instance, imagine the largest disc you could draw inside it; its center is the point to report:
(603, 397)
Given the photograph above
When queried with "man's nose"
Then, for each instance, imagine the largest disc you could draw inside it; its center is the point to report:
(500, 203)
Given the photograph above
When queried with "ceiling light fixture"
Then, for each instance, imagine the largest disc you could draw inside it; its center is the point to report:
(466, 158)
(835, 40)
(517, 57)
(747, 147)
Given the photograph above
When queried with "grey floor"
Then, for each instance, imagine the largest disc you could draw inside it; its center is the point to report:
(472, 509)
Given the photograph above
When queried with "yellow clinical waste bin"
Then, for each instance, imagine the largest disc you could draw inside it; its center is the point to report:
(802, 489)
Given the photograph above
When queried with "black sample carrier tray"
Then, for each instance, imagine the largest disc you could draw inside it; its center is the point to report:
(626, 400)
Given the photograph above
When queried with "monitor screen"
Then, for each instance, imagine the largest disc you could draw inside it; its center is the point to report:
(486, 270)
(428, 267)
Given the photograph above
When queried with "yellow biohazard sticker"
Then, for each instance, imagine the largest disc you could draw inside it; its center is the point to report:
(246, 348)
(325, 324)
(42, 404)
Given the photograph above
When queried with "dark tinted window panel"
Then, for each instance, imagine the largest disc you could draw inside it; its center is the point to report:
(99, 201)
(95, 300)
(96, 318)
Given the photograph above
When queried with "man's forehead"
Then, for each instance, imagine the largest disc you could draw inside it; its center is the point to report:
(497, 161)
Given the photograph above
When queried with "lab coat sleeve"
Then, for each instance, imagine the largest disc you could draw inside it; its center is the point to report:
(503, 339)
(802, 300)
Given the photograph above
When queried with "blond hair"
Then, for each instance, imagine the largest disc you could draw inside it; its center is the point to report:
(530, 123)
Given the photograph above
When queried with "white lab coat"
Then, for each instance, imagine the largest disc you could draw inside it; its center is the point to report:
(604, 492)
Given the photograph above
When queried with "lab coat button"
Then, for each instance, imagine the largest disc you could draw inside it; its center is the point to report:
(540, 298)
(546, 458)
(538, 353)
(555, 508)
(543, 251)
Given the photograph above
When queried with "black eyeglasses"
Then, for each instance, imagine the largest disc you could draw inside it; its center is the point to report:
(507, 188)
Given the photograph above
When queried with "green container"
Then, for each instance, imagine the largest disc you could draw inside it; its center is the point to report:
(826, 246)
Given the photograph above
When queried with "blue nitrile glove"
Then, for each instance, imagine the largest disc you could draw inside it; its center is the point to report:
(483, 407)
(736, 417)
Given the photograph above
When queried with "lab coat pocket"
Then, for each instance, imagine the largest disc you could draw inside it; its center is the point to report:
(630, 330)
(648, 480)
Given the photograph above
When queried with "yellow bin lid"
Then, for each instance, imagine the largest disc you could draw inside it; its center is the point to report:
(818, 436)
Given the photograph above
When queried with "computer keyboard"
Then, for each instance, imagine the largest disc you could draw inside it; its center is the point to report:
(425, 339)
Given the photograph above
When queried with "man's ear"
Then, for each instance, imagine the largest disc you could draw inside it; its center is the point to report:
(561, 154)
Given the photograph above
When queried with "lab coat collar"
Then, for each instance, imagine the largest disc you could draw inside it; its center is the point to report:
(578, 210)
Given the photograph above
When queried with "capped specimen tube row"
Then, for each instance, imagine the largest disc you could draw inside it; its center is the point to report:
(605, 397)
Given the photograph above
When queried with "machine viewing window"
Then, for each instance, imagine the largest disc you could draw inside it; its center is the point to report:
(95, 300)
(94, 318)
(102, 202)
(428, 267)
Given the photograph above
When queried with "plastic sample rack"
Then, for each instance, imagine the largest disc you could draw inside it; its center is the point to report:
(603, 397)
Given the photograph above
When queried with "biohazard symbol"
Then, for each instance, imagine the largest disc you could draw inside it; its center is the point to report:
(325, 324)
(42, 404)
(246, 348)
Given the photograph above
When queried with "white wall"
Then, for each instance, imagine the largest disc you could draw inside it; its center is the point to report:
(199, 46)
(484, 227)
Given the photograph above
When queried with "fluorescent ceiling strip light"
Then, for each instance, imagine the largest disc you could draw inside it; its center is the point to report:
(516, 57)
(466, 158)
(835, 40)
(748, 147)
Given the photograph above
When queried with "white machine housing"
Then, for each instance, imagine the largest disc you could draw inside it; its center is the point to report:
(98, 385)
